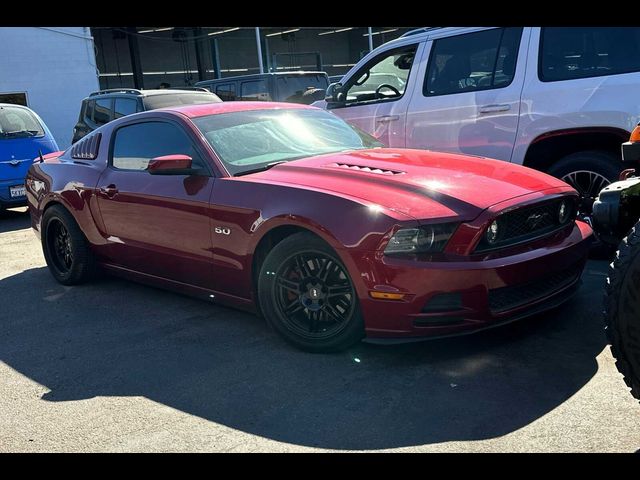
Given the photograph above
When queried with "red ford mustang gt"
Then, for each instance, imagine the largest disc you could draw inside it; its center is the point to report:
(288, 211)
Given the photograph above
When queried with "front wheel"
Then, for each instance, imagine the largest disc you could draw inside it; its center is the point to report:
(622, 310)
(306, 294)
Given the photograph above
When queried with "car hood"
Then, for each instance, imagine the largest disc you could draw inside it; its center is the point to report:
(417, 183)
(17, 154)
(25, 148)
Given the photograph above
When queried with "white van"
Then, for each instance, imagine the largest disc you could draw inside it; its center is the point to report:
(557, 99)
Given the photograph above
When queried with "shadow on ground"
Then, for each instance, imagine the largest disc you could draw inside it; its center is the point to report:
(14, 219)
(122, 339)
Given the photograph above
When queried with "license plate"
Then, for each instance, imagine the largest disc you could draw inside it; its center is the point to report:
(17, 191)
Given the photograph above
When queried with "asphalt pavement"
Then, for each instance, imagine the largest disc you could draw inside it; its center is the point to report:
(119, 366)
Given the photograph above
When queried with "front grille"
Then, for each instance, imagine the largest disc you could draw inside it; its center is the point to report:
(528, 223)
(507, 298)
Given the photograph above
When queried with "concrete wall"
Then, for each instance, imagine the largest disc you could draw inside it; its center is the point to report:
(55, 66)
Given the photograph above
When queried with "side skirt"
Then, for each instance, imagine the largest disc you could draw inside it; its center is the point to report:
(210, 296)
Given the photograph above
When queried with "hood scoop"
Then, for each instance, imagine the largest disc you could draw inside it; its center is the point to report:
(361, 168)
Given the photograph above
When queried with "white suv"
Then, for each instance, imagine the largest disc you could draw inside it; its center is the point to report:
(557, 99)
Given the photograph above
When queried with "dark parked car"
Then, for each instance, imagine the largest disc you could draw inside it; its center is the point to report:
(106, 105)
(616, 216)
(291, 87)
(288, 210)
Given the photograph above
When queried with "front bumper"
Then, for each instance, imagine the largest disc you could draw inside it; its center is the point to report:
(482, 292)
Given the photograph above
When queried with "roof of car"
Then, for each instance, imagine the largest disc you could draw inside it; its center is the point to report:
(13, 105)
(257, 75)
(431, 33)
(146, 92)
(204, 109)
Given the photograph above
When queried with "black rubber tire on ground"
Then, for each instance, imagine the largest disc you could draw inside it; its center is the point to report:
(622, 310)
(352, 329)
(606, 164)
(83, 266)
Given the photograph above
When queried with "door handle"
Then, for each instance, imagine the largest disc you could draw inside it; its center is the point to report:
(387, 118)
(502, 107)
(110, 190)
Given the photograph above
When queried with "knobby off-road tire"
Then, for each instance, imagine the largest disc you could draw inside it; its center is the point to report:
(622, 310)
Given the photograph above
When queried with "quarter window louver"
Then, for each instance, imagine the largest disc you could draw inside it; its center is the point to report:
(87, 148)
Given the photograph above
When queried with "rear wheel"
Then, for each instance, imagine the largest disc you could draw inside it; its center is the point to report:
(588, 172)
(306, 294)
(66, 250)
(622, 310)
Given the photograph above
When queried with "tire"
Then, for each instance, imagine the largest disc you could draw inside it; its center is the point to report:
(605, 165)
(622, 310)
(66, 249)
(295, 295)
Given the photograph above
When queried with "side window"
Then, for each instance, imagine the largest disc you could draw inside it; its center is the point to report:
(473, 61)
(88, 112)
(226, 92)
(255, 90)
(384, 78)
(124, 107)
(580, 52)
(134, 145)
(102, 113)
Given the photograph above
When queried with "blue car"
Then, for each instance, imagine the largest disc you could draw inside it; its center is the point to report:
(23, 136)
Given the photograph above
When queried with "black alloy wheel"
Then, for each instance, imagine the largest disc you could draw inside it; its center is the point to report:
(306, 294)
(313, 295)
(66, 249)
(59, 244)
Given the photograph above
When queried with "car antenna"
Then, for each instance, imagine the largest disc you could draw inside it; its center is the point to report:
(40, 154)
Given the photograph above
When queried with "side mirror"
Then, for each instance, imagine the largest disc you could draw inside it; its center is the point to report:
(334, 94)
(176, 164)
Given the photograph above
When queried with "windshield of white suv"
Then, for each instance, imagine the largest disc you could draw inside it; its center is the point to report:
(255, 140)
(18, 122)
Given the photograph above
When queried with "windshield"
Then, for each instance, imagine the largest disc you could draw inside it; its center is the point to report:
(16, 122)
(177, 99)
(292, 88)
(254, 140)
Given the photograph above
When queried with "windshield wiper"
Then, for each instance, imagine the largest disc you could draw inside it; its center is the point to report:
(260, 169)
(31, 133)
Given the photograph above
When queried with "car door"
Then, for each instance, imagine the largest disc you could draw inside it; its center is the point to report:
(469, 96)
(157, 224)
(378, 94)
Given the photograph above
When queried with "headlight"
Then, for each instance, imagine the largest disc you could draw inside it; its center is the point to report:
(424, 239)
(564, 212)
(493, 233)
